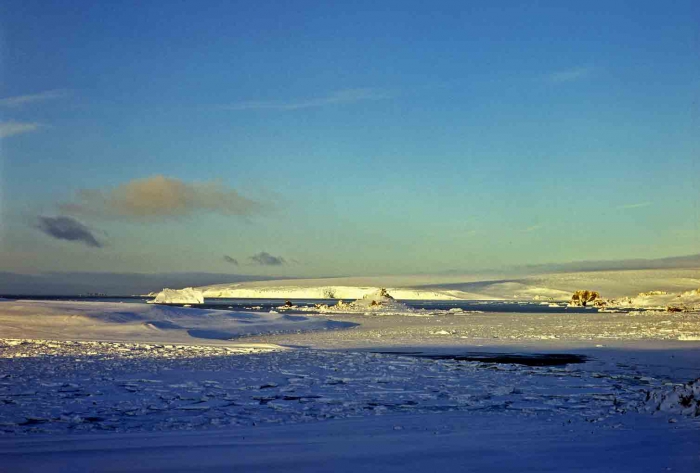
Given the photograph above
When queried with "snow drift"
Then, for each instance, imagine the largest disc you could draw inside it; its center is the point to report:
(60, 320)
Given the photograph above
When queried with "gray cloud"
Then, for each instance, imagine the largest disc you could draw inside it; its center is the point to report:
(228, 259)
(160, 197)
(67, 228)
(20, 100)
(11, 127)
(337, 98)
(266, 259)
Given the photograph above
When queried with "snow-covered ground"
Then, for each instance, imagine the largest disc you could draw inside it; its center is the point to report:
(121, 387)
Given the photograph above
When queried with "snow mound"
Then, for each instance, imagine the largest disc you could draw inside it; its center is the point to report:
(683, 399)
(187, 295)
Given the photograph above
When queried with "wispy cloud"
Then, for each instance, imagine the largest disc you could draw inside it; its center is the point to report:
(569, 75)
(341, 97)
(533, 228)
(10, 128)
(19, 100)
(67, 228)
(160, 197)
(266, 259)
(233, 261)
(633, 206)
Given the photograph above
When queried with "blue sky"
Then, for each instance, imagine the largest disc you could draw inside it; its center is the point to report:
(368, 138)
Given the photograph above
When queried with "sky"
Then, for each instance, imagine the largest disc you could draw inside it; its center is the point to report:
(312, 139)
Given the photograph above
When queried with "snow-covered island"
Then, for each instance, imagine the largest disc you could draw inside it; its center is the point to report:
(553, 287)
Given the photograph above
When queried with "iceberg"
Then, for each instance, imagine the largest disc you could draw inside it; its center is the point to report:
(187, 295)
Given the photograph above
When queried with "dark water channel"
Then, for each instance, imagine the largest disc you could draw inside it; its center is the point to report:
(526, 359)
